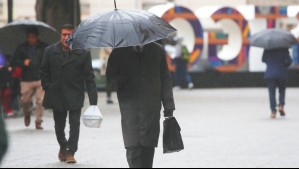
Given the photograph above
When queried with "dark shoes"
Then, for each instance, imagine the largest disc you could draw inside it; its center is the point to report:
(66, 156)
(70, 159)
(62, 155)
(281, 111)
(27, 120)
(109, 101)
(38, 125)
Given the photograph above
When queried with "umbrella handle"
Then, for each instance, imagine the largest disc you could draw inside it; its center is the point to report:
(115, 4)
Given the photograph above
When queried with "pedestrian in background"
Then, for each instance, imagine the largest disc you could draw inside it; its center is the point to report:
(6, 81)
(64, 73)
(29, 56)
(3, 139)
(143, 82)
(278, 61)
(181, 61)
(105, 54)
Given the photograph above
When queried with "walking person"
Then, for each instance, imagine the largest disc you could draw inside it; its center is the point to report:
(143, 83)
(278, 61)
(105, 54)
(64, 73)
(181, 62)
(29, 56)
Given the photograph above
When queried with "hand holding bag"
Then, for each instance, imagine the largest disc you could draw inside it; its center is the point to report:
(93, 117)
(172, 138)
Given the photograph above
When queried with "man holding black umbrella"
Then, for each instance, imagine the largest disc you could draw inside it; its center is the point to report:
(276, 43)
(29, 57)
(143, 79)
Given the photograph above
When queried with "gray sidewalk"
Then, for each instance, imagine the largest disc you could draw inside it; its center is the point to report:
(221, 128)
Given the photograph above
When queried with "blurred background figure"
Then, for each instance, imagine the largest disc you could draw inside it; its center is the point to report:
(278, 61)
(5, 85)
(105, 54)
(29, 57)
(3, 139)
(181, 58)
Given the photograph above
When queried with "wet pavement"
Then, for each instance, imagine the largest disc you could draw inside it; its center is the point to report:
(221, 128)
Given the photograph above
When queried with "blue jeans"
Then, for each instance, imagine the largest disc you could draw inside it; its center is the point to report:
(272, 86)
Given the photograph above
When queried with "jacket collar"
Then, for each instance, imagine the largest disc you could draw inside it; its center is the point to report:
(58, 48)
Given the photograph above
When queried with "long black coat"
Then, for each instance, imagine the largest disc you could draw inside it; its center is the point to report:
(143, 82)
(63, 80)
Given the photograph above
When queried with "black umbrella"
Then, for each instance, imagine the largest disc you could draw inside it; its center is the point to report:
(120, 28)
(14, 34)
(273, 39)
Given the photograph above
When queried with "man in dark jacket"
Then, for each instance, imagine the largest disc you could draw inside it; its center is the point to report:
(144, 82)
(3, 139)
(276, 75)
(29, 56)
(64, 73)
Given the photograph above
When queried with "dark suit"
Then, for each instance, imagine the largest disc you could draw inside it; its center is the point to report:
(63, 77)
(143, 84)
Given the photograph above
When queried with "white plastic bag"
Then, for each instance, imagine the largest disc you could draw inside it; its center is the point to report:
(93, 117)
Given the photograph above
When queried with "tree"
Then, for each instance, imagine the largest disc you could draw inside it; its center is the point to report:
(58, 12)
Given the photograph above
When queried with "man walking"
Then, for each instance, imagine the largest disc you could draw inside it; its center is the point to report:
(64, 73)
(28, 56)
(277, 61)
(143, 82)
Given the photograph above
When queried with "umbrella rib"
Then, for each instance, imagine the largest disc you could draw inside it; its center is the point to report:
(139, 37)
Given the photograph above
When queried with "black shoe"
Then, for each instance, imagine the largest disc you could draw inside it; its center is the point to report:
(110, 102)
(281, 111)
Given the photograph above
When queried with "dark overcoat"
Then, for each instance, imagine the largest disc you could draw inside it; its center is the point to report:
(143, 84)
(63, 80)
(277, 61)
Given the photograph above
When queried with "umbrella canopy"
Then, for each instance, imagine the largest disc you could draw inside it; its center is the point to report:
(273, 39)
(15, 33)
(120, 28)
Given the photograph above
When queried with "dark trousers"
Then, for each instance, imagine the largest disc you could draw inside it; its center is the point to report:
(140, 157)
(272, 86)
(60, 123)
(109, 90)
(182, 75)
